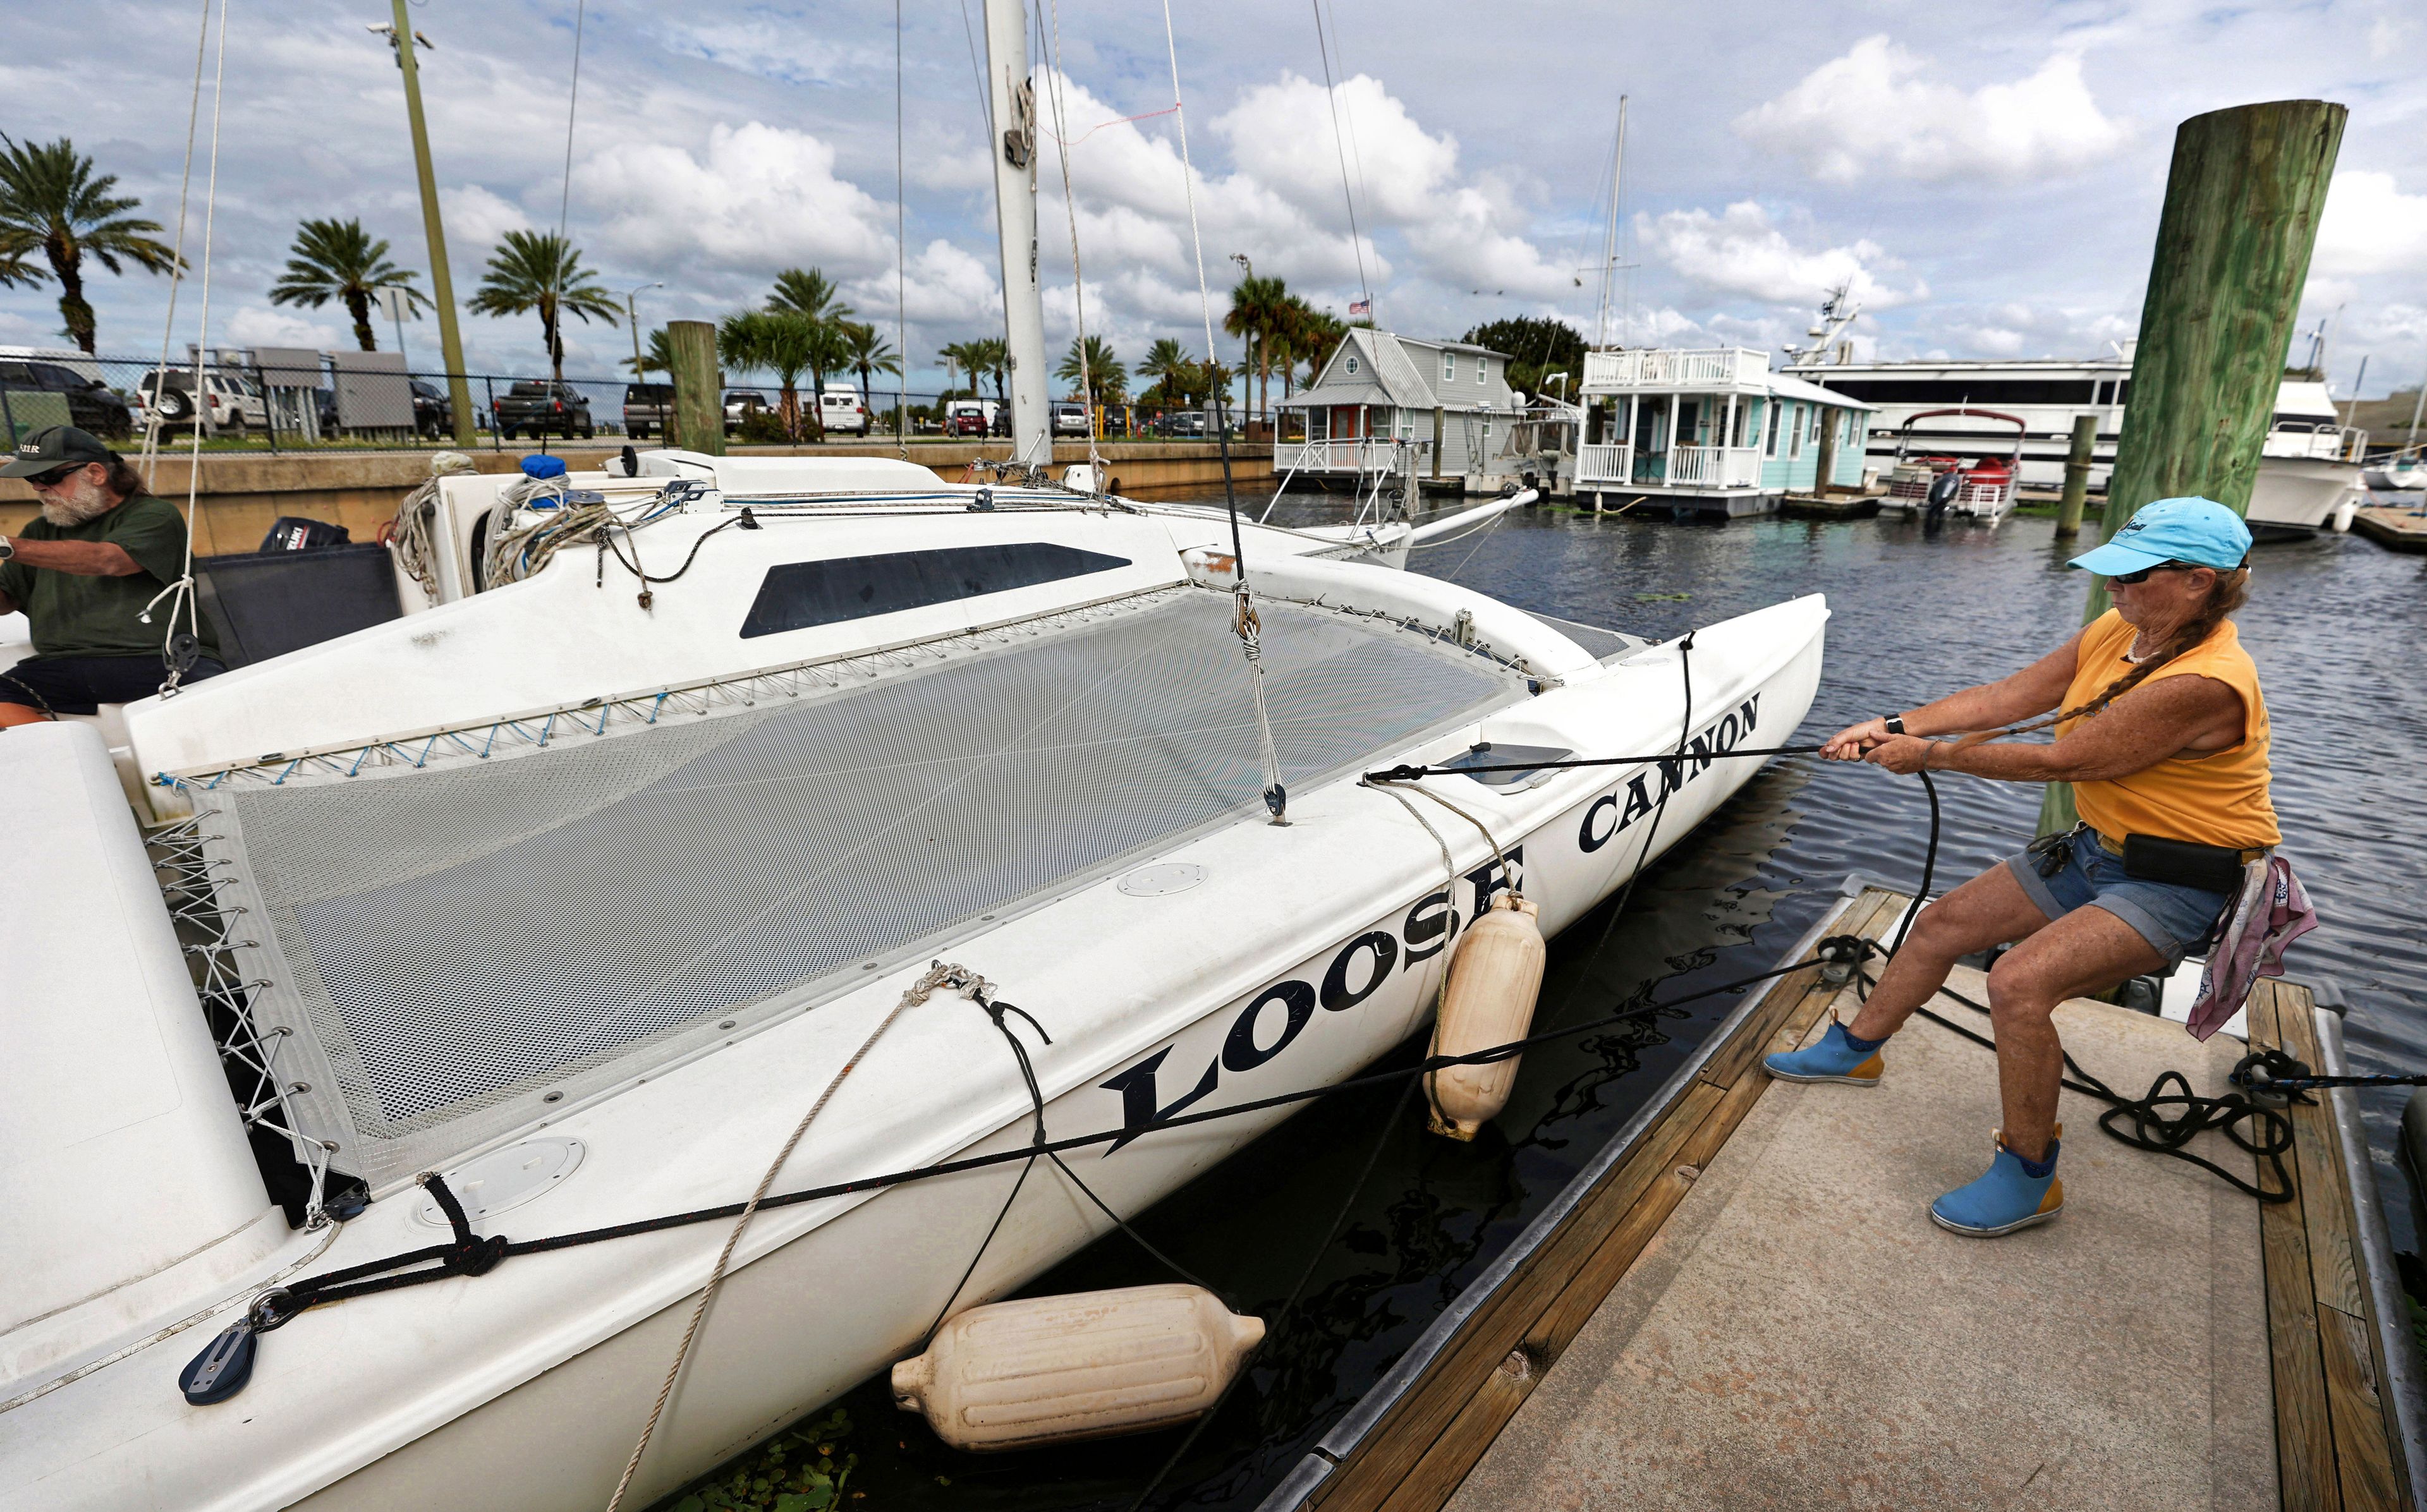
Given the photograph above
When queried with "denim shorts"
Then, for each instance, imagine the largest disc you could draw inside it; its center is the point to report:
(2175, 919)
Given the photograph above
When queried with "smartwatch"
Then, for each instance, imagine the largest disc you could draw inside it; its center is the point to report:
(1894, 723)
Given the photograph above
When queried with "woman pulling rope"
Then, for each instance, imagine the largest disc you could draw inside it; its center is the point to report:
(2161, 730)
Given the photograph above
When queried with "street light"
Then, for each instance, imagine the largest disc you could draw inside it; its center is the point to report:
(632, 313)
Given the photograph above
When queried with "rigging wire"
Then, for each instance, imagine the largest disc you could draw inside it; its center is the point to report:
(572, 102)
(180, 593)
(150, 457)
(1331, 97)
(901, 258)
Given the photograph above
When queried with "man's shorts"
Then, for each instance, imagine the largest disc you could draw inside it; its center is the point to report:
(2175, 919)
(78, 685)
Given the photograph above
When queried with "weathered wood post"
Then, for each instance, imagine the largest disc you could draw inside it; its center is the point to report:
(699, 408)
(2240, 218)
(2076, 476)
(1438, 418)
(1829, 420)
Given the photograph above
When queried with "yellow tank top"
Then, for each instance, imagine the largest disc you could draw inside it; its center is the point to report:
(2216, 799)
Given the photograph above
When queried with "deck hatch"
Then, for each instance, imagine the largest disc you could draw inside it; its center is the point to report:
(798, 595)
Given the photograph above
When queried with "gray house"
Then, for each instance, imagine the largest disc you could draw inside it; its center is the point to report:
(1387, 403)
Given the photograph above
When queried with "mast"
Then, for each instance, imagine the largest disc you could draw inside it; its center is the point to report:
(1011, 103)
(1609, 239)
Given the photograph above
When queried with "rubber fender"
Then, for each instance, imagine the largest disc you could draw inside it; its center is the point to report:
(1089, 1365)
(1494, 981)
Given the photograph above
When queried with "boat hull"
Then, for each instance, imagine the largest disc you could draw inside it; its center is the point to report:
(2295, 498)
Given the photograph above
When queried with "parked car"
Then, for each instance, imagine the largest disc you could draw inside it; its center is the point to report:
(1069, 418)
(1181, 423)
(969, 418)
(434, 412)
(648, 409)
(740, 403)
(541, 406)
(233, 400)
(90, 405)
(840, 410)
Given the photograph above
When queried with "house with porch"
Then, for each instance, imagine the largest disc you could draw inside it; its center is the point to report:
(1710, 432)
(1386, 404)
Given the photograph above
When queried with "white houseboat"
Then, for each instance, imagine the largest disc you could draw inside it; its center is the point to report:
(1386, 404)
(1710, 432)
(2308, 474)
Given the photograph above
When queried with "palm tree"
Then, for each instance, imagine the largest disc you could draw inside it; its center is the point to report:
(806, 292)
(869, 353)
(1167, 363)
(539, 270)
(991, 355)
(955, 355)
(51, 203)
(1256, 306)
(660, 358)
(339, 260)
(1097, 373)
(783, 342)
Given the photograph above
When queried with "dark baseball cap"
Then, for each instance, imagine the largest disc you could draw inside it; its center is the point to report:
(57, 445)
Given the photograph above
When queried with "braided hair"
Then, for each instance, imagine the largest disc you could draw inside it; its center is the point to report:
(2229, 593)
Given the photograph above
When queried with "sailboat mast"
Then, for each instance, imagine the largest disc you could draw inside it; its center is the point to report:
(1609, 239)
(1011, 105)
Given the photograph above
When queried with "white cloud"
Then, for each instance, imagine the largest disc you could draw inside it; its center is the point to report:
(259, 325)
(2371, 226)
(758, 199)
(477, 220)
(1871, 108)
(1281, 136)
(2385, 34)
(944, 285)
(1740, 250)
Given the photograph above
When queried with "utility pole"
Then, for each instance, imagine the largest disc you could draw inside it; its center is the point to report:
(632, 315)
(402, 37)
(1011, 102)
(2241, 218)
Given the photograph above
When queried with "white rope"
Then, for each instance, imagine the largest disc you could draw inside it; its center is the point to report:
(937, 975)
(182, 591)
(177, 260)
(1077, 282)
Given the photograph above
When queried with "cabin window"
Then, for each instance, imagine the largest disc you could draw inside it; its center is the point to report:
(1483, 371)
(798, 595)
(1350, 366)
(1449, 367)
(1794, 434)
(1816, 424)
(1769, 445)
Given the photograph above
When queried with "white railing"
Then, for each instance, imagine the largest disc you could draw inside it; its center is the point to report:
(1367, 455)
(1606, 463)
(1716, 466)
(1664, 368)
(2324, 442)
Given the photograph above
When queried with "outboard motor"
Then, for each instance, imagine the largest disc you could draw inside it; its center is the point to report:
(1943, 490)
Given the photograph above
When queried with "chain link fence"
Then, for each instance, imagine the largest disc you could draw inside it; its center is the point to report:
(280, 400)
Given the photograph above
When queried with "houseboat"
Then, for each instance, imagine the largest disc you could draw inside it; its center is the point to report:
(1711, 432)
(1386, 404)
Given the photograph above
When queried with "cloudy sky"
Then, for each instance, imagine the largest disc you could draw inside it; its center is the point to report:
(1986, 177)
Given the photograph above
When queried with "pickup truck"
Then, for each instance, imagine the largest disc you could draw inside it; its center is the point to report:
(648, 409)
(539, 406)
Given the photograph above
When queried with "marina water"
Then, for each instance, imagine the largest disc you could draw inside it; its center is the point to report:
(2337, 626)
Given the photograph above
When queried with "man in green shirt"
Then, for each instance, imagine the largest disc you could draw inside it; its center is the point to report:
(85, 573)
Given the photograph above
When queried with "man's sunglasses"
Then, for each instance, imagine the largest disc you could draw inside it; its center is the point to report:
(57, 475)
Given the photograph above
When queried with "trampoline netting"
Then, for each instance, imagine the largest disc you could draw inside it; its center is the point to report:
(454, 943)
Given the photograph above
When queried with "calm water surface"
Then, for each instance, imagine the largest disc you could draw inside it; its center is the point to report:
(2339, 627)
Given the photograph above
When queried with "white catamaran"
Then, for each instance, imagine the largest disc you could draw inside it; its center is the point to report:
(578, 882)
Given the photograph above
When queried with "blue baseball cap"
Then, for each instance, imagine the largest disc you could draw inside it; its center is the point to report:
(2197, 531)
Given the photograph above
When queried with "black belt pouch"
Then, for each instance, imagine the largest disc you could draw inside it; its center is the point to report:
(2182, 863)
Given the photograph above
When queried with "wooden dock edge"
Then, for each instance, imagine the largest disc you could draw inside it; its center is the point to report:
(1411, 1440)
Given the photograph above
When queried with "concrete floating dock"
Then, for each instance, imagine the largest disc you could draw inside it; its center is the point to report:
(1746, 1305)
(2400, 526)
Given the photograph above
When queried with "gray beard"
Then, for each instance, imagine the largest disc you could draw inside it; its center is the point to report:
(91, 501)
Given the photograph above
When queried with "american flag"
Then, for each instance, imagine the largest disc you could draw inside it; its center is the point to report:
(1360, 307)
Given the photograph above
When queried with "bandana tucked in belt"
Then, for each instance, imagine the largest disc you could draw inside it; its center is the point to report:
(2269, 913)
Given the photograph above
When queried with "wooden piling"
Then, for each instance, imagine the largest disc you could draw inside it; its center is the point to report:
(699, 406)
(2076, 476)
(1439, 420)
(2240, 218)
(1827, 470)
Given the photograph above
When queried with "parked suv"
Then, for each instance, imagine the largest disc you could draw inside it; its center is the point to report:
(235, 403)
(433, 413)
(540, 406)
(648, 409)
(90, 405)
(1069, 418)
(840, 411)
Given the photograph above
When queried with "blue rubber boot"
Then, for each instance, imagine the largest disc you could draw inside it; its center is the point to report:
(1830, 1058)
(2006, 1198)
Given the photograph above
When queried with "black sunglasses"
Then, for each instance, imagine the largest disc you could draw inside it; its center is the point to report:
(57, 475)
(2142, 575)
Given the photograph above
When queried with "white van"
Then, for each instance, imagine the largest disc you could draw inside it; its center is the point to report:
(841, 410)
